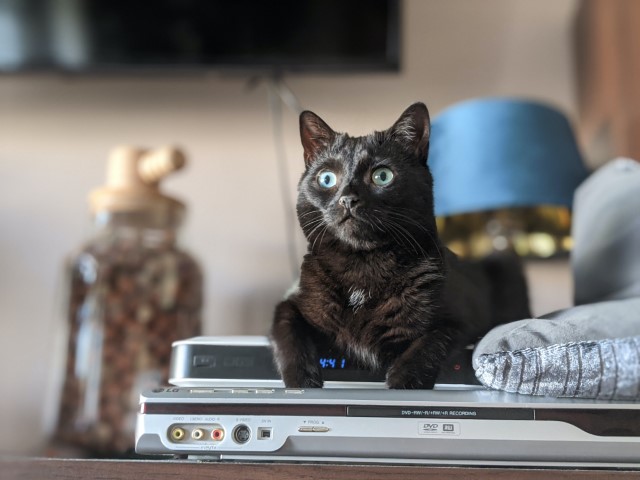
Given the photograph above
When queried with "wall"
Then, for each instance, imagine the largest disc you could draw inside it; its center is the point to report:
(55, 133)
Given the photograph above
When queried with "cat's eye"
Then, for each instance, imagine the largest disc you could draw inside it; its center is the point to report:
(382, 176)
(327, 179)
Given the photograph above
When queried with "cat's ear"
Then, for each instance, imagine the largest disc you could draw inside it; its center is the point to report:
(315, 135)
(413, 129)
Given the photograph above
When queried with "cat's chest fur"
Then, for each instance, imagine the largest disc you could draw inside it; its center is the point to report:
(368, 299)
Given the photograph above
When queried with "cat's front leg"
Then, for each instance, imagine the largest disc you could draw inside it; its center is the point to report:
(295, 351)
(418, 366)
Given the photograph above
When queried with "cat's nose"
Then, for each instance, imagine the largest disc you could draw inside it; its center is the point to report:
(348, 201)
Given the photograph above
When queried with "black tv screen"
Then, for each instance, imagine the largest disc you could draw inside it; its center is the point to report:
(125, 35)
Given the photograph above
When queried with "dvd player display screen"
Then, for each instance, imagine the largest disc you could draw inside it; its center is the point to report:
(229, 362)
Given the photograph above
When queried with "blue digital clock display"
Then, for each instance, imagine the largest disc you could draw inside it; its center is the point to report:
(327, 363)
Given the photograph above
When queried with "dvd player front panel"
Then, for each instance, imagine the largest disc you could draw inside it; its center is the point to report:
(393, 426)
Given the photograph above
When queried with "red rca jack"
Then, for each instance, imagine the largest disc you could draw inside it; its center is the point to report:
(217, 434)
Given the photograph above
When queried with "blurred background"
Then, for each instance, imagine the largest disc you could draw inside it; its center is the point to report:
(236, 120)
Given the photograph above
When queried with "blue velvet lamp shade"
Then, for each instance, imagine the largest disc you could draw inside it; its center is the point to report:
(496, 155)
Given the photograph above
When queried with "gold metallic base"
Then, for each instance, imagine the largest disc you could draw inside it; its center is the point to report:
(532, 232)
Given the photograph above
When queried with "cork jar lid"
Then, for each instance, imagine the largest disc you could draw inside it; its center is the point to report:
(133, 180)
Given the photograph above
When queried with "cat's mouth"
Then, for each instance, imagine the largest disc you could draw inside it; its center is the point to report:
(346, 217)
(353, 224)
(355, 230)
(350, 221)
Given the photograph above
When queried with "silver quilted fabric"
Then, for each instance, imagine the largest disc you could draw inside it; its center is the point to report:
(604, 369)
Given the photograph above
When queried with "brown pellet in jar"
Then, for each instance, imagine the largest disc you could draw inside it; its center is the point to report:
(127, 304)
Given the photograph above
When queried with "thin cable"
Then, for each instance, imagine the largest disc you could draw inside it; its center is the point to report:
(279, 93)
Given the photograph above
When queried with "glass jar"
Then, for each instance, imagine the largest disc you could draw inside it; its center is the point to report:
(132, 292)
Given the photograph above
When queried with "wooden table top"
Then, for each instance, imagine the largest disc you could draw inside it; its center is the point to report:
(45, 468)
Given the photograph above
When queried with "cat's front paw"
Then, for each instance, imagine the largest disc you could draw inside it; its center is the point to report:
(312, 382)
(399, 380)
(303, 378)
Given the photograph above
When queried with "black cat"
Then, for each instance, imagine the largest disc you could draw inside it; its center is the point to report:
(376, 283)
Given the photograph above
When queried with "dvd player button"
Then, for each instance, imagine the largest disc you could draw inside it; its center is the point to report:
(206, 391)
(294, 391)
(241, 390)
(316, 429)
(266, 391)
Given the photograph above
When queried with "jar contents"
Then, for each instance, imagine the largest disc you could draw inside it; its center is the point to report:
(132, 293)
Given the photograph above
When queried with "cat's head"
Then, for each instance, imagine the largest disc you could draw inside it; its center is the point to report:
(370, 191)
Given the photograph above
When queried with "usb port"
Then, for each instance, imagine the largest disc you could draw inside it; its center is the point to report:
(264, 433)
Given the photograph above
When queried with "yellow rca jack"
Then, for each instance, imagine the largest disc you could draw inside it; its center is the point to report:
(177, 434)
(197, 434)
(217, 434)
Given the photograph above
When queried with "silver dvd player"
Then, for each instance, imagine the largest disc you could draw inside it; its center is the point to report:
(478, 427)
(234, 361)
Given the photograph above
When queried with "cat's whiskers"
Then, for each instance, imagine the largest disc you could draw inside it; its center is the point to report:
(390, 232)
(323, 232)
(406, 235)
(317, 236)
(408, 218)
(310, 213)
(316, 223)
(312, 222)
(412, 242)
(413, 238)
(319, 225)
(392, 229)
(411, 221)
(379, 225)
(372, 221)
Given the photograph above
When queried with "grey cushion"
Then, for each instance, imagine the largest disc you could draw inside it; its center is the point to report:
(606, 369)
(598, 321)
(591, 350)
(606, 234)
